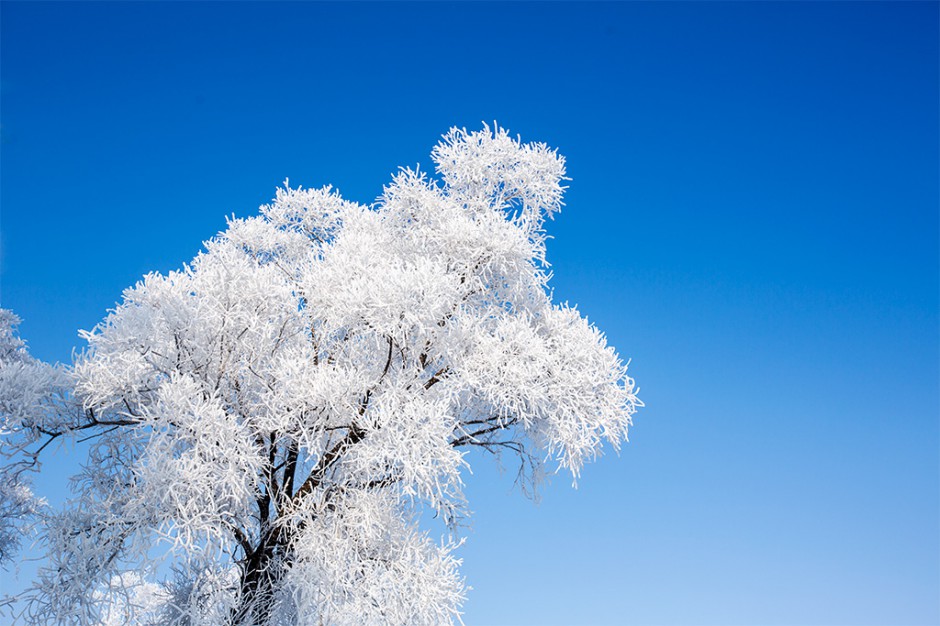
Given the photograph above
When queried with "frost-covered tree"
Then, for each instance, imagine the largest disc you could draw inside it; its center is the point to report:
(267, 423)
(33, 406)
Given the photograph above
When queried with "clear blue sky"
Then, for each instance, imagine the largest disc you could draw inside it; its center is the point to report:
(752, 218)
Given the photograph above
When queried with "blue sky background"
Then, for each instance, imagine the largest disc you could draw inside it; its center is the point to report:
(752, 218)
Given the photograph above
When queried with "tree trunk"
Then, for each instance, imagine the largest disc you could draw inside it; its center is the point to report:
(262, 570)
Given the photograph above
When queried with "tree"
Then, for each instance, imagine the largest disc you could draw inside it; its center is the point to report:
(271, 419)
(33, 399)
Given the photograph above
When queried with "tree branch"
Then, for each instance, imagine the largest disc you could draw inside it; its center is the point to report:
(436, 377)
(354, 436)
(472, 437)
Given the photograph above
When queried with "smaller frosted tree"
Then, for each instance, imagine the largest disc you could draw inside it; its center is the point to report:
(273, 417)
(33, 406)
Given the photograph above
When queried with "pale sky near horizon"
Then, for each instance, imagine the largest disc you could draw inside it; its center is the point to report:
(752, 219)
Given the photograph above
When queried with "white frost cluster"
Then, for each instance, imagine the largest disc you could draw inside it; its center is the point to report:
(273, 417)
(32, 400)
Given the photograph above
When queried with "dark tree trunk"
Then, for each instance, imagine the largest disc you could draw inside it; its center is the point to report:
(262, 571)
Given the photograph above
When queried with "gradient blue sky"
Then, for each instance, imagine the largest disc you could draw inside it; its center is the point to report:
(752, 218)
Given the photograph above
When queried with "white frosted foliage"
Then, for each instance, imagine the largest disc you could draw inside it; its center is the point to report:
(32, 401)
(272, 419)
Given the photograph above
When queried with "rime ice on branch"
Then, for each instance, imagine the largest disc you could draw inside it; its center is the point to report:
(274, 416)
(33, 407)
